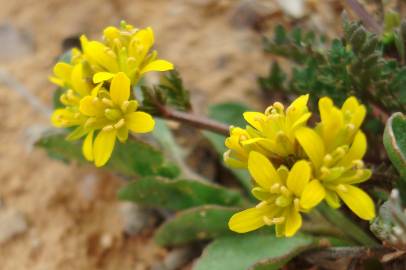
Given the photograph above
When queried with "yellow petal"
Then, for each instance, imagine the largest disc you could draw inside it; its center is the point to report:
(358, 201)
(98, 54)
(254, 119)
(297, 109)
(300, 102)
(103, 146)
(87, 147)
(63, 71)
(120, 88)
(102, 76)
(139, 122)
(293, 221)
(79, 83)
(359, 116)
(89, 107)
(262, 170)
(357, 150)
(312, 144)
(301, 120)
(350, 104)
(247, 220)
(234, 163)
(331, 119)
(157, 65)
(312, 194)
(298, 177)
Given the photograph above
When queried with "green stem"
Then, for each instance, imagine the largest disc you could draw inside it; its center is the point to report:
(338, 219)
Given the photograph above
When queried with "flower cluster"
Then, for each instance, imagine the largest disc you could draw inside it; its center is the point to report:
(97, 100)
(313, 164)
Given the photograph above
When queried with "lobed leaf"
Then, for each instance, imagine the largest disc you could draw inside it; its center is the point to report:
(255, 251)
(134, 158)
(178, 194)
(200, 223)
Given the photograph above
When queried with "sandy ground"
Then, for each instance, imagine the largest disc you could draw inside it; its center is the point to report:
(72, 214)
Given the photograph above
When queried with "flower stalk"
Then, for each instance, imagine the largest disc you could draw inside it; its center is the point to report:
(194, 120)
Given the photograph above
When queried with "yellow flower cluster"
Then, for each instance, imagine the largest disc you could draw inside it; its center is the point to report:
(313, 164)
(98, 82)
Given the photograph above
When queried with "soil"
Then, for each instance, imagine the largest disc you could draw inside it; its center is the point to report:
(73, 216)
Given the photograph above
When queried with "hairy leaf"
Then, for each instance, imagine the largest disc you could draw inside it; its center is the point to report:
(200, 223)
(178, 194)
(252, 251)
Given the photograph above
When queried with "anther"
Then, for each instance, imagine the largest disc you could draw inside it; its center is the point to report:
(267, 220)
(342, 188)
(359, 164)
(285, 191)
(275, 188)
(327, 159)
(124, 105)
(107, 102)
(119, 124)
(278, 220)
(261, 204)
(108, 128)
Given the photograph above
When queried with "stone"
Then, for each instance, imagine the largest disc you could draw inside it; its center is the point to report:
(15, 43)
(12, 223)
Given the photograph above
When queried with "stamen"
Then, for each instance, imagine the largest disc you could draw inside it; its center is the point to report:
(124, 106)
(108, 102)
(324, 172)
(267, 220)
(278, 220)
(342, 188)
(89, 122)
(275, 188)
(359, 164)
(108, 128)
(350, 127)
(278, 107)
(282, 201)
(261, 204)
(285, 191)
(327, 159)
(119, 124)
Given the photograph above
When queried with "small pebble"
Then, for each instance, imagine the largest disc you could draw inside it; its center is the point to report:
(12, 223)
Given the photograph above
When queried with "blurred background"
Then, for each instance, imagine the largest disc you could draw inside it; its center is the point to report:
(58, 216)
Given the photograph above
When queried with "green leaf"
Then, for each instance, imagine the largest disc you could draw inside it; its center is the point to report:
(232, 114)
(394, 139)
(58, 147)
(255, 251)
(200, 223)
(134, 158)
(178, 194)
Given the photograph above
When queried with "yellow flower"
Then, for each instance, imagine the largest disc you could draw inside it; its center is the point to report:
(73, 78)
(336, 148)
(125, 50)
(271, 133)
(113, 113)
(237, 155)
(283, 195)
